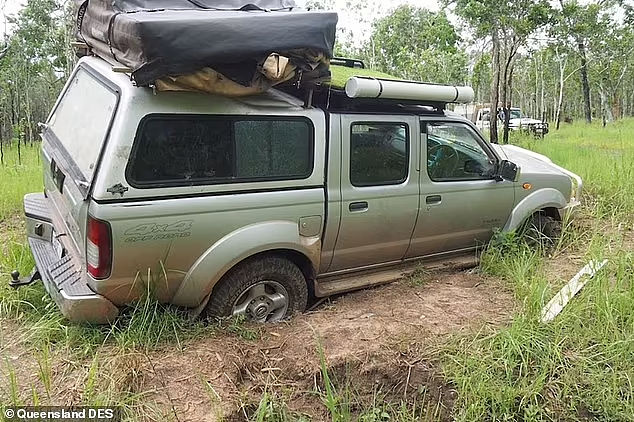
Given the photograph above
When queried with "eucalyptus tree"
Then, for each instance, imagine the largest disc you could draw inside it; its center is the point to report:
(579, 24)
(416, 43)
(612, 69)
(34, 66)
(507, 24)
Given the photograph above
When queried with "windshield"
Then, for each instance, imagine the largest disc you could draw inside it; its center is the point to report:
(516, 114)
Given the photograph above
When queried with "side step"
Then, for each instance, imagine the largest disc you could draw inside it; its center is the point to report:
(342, 283)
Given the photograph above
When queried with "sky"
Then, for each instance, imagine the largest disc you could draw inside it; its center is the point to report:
(359, 24)
(8, 7)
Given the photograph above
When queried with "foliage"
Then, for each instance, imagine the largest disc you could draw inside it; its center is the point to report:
(414, 43)
(34, 67)
(577, 367)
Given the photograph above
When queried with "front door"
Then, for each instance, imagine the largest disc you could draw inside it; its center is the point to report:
(379, 189)
(462, 203)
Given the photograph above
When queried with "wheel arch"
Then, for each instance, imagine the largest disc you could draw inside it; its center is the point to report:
(547, 201)
(276, 238)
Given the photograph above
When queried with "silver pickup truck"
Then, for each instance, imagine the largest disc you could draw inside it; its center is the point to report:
(251, 206)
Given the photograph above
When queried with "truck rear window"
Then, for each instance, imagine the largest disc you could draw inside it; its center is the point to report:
(197, 150)
(82, 118)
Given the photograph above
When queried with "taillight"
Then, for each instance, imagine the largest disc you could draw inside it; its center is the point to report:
(98, 248)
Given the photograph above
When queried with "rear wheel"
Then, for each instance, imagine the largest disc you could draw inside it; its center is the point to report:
(542, 231)
(262, 290)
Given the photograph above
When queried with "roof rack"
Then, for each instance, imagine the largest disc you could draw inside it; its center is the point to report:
(366, 94)
(336, 100)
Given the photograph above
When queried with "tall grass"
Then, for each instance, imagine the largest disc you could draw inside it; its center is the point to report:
(578, 367)
(19, 176)
(602, 156)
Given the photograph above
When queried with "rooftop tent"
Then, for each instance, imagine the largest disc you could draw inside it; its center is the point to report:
(136, 5)
(160, 38)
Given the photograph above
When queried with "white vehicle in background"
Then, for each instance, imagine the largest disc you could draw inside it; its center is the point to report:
(518, 121)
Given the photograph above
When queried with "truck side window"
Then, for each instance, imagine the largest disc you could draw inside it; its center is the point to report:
(454, 153)
(198, 150)
(379, 154)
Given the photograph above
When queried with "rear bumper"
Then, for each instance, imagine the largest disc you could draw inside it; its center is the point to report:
(62, 274)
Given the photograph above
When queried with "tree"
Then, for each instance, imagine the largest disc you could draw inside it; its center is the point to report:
(33, 67)
(361, 12)
(481, 76)
(418, 44)
(578, 24)
(508, 24)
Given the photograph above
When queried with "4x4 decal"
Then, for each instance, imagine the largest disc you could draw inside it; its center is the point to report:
(152, 231)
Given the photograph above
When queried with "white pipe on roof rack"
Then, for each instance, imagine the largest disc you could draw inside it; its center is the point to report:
(361, 87)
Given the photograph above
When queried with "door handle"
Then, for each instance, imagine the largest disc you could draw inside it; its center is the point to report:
(433, 199)
(358, 206)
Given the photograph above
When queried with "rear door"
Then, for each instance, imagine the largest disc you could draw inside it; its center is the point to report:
(73, 138)
(379, 189)
(462, 204)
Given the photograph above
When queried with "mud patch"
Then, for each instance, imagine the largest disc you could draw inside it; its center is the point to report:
(375, 345)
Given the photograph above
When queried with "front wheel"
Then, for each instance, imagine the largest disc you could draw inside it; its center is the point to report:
(542, 231)
(262, 290)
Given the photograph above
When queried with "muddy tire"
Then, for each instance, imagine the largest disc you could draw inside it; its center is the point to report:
(263, 290)
(542, 231)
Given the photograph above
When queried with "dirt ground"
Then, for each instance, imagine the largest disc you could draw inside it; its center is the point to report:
(373, 342)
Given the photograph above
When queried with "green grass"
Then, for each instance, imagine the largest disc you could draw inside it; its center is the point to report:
(603, 157)
(341, 74)
(19, 176)
(581, 365)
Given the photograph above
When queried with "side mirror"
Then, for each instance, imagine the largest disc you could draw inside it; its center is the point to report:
(508, 171)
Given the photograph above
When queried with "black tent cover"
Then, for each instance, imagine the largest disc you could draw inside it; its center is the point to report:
(156, 38)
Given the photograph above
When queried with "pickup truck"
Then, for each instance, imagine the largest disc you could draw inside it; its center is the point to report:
(253, 205)
(517, 122)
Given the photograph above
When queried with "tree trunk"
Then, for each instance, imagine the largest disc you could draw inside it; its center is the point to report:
(537, 110)
(562, 70)
(616, 106)
(28, 118)
(509, 102)
(503, 94)
(495, 87)
(584, 82)
(606, 111)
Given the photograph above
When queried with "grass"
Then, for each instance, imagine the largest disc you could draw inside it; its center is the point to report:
(341, 74)
(603, 157)
(580, 366)
(18, 176)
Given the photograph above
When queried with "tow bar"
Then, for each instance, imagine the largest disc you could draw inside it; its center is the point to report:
(17, 282)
